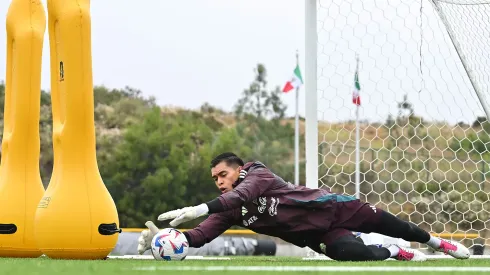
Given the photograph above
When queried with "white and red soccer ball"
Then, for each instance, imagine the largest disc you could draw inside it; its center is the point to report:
(169, 245)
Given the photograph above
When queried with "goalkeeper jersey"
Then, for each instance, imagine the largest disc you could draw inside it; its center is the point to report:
(264, 203)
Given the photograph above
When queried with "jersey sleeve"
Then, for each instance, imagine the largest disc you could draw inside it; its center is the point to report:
(212, 227)
(253, 185)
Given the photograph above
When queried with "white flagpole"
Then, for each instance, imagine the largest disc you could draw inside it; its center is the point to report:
(357, 140)
(296, 134)
(357, 154)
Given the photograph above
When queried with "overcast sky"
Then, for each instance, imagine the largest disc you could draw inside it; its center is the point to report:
(188, 52)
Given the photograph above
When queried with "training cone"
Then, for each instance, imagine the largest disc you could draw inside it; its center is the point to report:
(77, 217)
(21, 187)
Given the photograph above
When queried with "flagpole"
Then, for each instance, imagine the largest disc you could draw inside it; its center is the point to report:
(357, 141)
(357, 154)
(296, 133)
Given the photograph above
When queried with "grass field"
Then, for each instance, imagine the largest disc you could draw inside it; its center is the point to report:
(238, 265)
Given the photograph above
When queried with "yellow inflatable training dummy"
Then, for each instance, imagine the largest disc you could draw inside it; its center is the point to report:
(20, 181)
(77, 217)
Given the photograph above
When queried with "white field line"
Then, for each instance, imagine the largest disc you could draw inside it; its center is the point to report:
(318, 268)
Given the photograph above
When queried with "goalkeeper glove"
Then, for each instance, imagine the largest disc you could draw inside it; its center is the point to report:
(144, 241)
(185, 214)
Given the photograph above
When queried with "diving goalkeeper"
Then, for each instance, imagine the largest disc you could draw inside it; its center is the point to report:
(255, 198)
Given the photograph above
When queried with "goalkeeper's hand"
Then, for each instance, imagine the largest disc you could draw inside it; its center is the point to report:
(144, 241)
(185, 214)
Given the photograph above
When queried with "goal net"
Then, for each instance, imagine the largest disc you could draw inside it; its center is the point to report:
(424, 74)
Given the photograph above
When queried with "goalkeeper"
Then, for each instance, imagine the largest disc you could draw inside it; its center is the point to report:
(255, 198)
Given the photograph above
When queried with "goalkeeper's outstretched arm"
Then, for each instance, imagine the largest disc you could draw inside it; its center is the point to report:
(211, 228)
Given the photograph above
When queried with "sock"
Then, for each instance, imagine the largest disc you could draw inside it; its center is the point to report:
(394, 250)
(434, 242)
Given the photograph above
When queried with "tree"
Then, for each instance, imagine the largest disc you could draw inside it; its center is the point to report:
(103, 95)
(258, 101)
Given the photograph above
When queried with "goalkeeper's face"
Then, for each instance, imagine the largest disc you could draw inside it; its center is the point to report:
(224, 176)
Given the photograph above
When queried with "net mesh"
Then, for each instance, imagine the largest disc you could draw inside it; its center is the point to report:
(424, 70)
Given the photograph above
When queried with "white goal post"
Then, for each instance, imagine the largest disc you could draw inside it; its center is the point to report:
(420, 144)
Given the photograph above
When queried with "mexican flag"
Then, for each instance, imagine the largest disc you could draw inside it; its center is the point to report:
(295, 82)
(356, 98)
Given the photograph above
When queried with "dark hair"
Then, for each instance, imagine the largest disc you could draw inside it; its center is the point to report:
(229, 158)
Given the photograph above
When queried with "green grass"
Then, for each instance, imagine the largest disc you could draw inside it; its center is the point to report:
(46, 266)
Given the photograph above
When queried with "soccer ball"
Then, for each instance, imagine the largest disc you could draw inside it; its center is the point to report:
(169, 245)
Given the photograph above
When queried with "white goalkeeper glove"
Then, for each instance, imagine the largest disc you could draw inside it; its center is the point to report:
(185, 214)
(144, 241)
